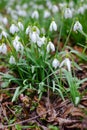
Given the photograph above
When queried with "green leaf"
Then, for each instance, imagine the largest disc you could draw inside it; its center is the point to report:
(18, 127)
(15, 94)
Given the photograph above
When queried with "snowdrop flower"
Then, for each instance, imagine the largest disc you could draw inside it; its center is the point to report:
(46, 14)
(12, 60)
(50, 47)
(55, 63)
(43, 30)
(55, 9)
(28, 30)
(53, 26)
(5, 34)
(20, 25)
(77, 26)
(36, 29)
(19, 47)
(13, 29)
(49, 4)
(17, 44)
(41, 41)
(81, 10)
(35, 14)
(3, 49)
(67, 63)
(68, 13)
(62, 5)
(22, 13)
(34, 36)
(5, 21)
(71, 4)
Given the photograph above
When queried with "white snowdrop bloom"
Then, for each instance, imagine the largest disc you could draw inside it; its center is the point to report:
(68, 13)
(85, 6)
(55, 63)
(77, 26)
(34, 36)
(25, 6)
(22, 13)
(9, 10)
(3, 48)
(17, 44)
(53, 26)
(47, 14)
(20, 25)
(35, 14)
(14, 16)
(49, 4)
(50, 47)
(12, 60)
(5, 20)
(43, 30)
(40, 7)
(71, 4)
(66, 62)
(62, 5)
(36, 29)
(19, 47)
(13, 29)
(41, 41)
(5, 34)
(81, 10)
(28, 30)
(55, 9)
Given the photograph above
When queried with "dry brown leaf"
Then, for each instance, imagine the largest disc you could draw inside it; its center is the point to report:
(77, 48)
(1, 97)
(63, 121)
(84, 103)
(41, 111)
(77, 112)
(76, 125)
(68, 111)
(52, 115)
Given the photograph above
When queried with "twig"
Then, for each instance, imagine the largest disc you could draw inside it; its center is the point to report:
(5, 126)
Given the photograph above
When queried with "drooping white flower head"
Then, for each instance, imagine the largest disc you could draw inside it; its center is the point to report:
(50, 47)
(3, 48)
(66, 62)
(28, 30)
(13, 29)
(55, 9)
(12, 60)
(22, 13)
(5, 21)
(49, 4)
(77, 26)
(81, 10)
(68, 13)
(17, 44)
(41, 41)
(53, 26)
(5, 34)
(35, 14)
(55, 63)
(34, 36)
(47, 14)
(20, 25)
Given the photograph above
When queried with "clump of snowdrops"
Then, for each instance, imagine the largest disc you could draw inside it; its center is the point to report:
(33, 60)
